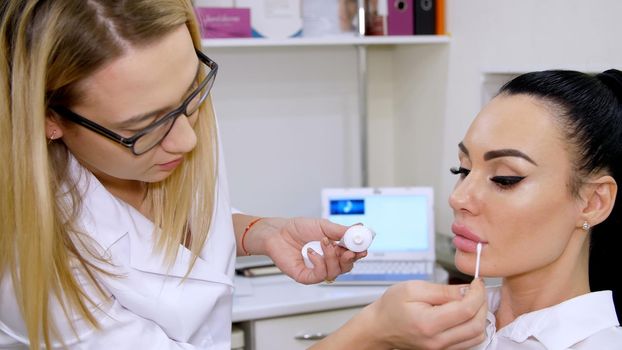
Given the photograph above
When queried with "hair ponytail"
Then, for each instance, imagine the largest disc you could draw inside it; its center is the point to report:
(606, 237)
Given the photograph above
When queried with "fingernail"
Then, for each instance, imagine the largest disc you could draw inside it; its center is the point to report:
(464, 290)
(325, 241)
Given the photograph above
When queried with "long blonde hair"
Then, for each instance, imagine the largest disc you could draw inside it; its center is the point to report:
(48, 46)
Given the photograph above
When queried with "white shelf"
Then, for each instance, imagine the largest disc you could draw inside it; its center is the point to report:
(327, 41)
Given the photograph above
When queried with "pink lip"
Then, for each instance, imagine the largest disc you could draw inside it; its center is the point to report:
(170, 165)
(465, 240)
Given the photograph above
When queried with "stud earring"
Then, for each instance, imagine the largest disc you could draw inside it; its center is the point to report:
(586, 226)
(52, 137)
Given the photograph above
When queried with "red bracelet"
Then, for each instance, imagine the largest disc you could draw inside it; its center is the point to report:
(248, 227)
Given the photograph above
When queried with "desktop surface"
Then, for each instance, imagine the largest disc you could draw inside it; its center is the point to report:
(279, 295)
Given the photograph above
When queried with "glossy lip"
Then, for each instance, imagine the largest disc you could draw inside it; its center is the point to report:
(461, 230)
(170, 165)
(465, 240)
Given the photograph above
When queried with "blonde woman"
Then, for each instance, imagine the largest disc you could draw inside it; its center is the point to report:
(115, 209)
(117, 228)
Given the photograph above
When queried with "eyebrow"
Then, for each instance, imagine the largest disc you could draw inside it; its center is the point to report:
(142, 117)
(507, 152)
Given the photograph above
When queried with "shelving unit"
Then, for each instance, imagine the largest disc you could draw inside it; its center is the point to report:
(327, 41)
(265, 80)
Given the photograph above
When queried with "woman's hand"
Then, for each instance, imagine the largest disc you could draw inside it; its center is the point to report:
(416, 315)
(284, 245)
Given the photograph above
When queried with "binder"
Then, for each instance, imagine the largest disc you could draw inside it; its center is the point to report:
(425, 16)
(400, 18)
(440, 17)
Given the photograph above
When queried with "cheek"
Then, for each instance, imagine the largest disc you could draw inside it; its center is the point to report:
(102, 156)
(526, 230)
(531, 233)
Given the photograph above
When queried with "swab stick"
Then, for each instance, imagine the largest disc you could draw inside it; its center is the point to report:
(479, 253)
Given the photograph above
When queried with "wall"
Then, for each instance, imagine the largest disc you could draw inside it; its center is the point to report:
(288, 120)
(290, 124)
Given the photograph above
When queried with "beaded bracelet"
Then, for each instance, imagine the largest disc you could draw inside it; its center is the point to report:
(248, 227)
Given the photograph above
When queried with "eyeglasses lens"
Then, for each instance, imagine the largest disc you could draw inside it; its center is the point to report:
(156, 135)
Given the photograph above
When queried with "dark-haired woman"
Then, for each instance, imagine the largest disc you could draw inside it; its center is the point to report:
(540, 168)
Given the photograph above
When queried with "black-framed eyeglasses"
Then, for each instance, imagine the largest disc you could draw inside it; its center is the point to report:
(149, 137)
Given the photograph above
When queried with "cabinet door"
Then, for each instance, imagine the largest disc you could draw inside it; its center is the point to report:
(298, 331)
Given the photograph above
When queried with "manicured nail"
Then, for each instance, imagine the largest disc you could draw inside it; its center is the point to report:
(464, 290)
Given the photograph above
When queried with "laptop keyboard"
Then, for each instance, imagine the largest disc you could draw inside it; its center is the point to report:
(387, 272)
(393, 267)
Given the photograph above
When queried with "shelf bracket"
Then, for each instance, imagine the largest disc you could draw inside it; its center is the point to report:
(361, 51)
(362, 109)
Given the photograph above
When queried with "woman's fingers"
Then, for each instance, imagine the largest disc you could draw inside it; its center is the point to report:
(467, 334)
(331, 259)
(346, 261)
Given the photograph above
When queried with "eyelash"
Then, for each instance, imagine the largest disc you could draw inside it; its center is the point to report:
(504, 182)
(463, 172)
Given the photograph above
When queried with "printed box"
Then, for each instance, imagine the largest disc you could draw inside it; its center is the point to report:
(224, 22)
(277, 19)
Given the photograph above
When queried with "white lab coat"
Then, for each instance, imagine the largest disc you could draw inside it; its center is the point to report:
(150, 308)
(586, 322)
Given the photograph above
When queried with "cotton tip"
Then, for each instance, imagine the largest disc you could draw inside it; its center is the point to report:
(479, 253)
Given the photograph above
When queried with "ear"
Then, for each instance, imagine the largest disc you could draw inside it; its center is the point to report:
(53, 127)
(599, 196)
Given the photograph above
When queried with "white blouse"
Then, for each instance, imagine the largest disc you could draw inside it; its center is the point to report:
(585, 322)
(149, 306)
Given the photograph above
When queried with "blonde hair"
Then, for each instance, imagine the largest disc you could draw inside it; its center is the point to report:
(48, 47)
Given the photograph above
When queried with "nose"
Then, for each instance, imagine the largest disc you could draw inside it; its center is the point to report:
(466, 195)
(181, 138)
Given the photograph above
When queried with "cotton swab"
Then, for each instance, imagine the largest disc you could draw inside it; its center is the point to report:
(479, 253)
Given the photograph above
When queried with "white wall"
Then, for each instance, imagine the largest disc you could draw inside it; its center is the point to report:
(517, 36)
(288, 120)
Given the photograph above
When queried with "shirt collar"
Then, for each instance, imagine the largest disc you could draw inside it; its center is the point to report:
(562, 325)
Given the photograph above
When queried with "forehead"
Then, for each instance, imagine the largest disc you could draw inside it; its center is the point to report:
(520, 122)
(143, 79)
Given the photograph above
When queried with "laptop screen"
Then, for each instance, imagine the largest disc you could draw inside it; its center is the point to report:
(401, 217)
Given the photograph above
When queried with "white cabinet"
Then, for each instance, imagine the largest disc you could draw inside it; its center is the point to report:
(290, 117)
(294, 332)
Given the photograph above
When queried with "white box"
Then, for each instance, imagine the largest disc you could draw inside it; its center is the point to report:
(276, 19)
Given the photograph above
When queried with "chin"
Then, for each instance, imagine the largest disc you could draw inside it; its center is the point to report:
(464, 263)
(157, 178)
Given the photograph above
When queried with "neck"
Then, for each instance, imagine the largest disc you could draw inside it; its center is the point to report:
(130, 191)
(562, 279)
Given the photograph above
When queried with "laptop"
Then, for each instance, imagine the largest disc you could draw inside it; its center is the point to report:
(403, 220)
